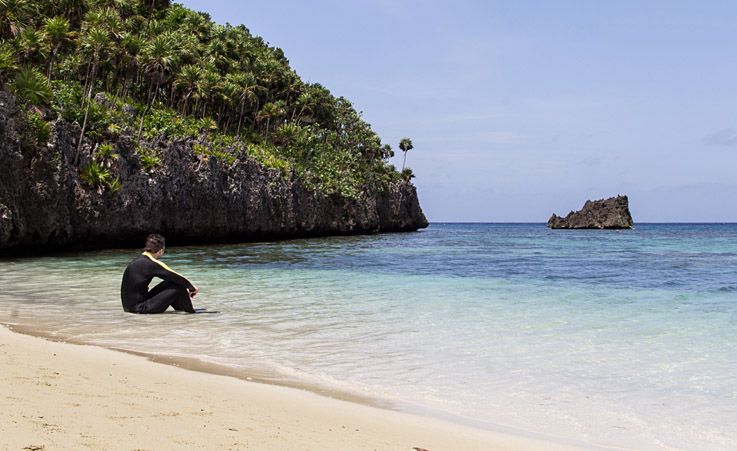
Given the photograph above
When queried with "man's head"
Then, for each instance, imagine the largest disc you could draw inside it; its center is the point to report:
(154, 243)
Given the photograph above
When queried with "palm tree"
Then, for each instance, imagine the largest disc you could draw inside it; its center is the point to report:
(268, 68)
(197, 24)
(74, 10)
(14, 18)
(268, 112)
(113, 22)
(405, 145)
(209, 88)
(185, 51)
(217, 48)
(128, 61)
(158, 55)
(56, 31)
(135, 24)
(94, 43)
(188, 80)
(304, 101)
(292, 85)
(165, 4)
(32, 45)
(228, 98)
(126, 8)
(188, 47)
(386, 152)
(246, 86)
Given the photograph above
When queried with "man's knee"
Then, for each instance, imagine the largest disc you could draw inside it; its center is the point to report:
(183, 303)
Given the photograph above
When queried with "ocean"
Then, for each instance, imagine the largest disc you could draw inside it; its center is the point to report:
(624, 339)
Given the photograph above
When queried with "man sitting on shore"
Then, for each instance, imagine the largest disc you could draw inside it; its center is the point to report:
(175, 290)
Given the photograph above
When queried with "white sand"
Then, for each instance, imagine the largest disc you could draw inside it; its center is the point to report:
(60, 396)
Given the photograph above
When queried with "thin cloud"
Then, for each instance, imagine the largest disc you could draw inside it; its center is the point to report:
(722, 138)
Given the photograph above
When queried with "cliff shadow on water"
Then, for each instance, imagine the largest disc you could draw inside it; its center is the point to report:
(46, 205)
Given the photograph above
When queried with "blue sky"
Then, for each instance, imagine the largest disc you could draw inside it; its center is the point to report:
(521, 109)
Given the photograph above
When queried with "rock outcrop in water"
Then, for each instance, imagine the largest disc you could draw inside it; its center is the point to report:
(44, 205)
(612, 213)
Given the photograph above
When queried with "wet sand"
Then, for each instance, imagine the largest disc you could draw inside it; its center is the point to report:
(58, 396)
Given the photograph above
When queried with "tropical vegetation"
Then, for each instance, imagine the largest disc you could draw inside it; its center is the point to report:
(157, 69)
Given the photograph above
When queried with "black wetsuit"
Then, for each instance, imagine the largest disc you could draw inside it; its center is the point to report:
(172, 291)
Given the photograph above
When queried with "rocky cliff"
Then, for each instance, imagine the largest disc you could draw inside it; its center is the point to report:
(44, 205)
(612, 213)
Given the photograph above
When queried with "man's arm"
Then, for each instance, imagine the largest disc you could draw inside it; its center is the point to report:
(162, 271)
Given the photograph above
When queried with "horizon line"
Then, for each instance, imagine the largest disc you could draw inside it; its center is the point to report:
(537, 222)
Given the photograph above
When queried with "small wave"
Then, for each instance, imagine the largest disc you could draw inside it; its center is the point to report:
(720, 290)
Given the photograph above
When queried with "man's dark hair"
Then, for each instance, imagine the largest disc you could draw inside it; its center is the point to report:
(154, 243)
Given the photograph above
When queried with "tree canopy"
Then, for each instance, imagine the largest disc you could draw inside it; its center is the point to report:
(161, 69)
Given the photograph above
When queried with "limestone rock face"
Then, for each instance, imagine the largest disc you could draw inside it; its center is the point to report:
(44, 205)
(612, 213)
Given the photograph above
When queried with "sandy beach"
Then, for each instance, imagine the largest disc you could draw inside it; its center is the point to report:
(61, 396)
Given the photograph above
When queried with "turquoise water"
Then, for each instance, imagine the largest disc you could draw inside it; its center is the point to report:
(620, 339)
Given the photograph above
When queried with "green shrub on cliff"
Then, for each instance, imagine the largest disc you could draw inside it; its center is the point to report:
(8, 63)
(180, 71)
(67, 100)
(149, 158)
(106, 154)
(41, 128)
(31, 86)
(99, 177)
(407, 174)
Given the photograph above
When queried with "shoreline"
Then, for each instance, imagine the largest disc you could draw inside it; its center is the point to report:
(72, 396)
(248, 375)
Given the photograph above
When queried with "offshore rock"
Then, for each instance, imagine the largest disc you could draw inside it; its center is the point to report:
(612, 213)
(45, 206)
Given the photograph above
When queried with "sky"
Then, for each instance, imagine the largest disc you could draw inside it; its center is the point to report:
(519, 109)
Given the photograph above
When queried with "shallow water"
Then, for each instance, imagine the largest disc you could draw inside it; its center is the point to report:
(624, 339)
